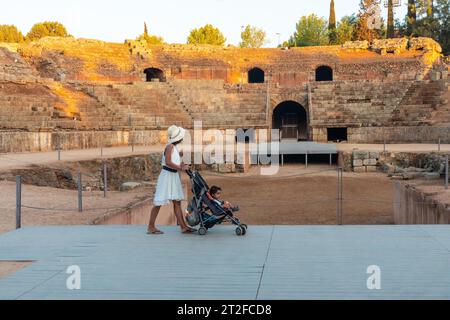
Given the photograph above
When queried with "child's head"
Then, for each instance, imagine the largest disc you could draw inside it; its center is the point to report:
(215, 192)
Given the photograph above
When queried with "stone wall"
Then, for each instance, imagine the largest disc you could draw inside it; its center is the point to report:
(48, 141)
(413, 206)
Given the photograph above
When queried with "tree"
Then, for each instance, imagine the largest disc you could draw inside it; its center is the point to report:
(207, 35)
(10, 33)
(332, 34)
(150, 39)
(436, 26)
(390, 23)
(425, 8)
(310, 31)
(47, 29)
(252, 37)
(411, 17)
(344, 30)
(370, 23)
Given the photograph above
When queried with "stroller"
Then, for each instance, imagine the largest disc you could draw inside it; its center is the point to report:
(205, 211)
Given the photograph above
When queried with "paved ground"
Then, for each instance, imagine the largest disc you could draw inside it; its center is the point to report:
(272, 262)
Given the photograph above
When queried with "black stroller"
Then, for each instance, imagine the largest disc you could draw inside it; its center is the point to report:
(205, 211)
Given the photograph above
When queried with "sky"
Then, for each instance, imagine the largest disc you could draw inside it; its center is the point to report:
(117, 20)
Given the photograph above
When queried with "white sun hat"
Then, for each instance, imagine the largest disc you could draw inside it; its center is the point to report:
(175, 134)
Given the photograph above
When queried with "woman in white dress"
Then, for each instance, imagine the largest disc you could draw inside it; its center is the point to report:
(169, 186)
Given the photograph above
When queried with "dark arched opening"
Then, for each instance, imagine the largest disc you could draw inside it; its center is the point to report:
(324, 73)
(255, 75)
(153, 73)
(292, 120)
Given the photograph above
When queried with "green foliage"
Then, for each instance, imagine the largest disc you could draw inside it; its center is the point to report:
(10, 33)
(344, 30)
(436, 26)
(310, 31)
(206, 35)
(46, 29)
(150, 39)
(252, 37)
(362, 31)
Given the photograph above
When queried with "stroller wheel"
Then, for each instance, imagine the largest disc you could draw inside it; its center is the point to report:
(244, 226)
(240, 231)
(202, 231)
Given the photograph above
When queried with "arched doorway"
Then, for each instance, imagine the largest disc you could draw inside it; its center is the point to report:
(292, 120)
(154, 73)
(255, 75)
(324, 73)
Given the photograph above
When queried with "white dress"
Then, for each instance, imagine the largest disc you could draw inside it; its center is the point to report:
(169, 187)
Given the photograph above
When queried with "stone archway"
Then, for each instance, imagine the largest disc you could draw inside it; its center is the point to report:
(155, 74)
(324, 73)
(256, 75)
(291, 118)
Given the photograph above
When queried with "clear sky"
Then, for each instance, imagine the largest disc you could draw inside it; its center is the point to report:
(117, 20)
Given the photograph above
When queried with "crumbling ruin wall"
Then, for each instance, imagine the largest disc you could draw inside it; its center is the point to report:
(411, 206)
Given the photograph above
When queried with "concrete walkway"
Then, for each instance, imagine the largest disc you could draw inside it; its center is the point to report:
(271, 262)
(10, 161)
(19, 160)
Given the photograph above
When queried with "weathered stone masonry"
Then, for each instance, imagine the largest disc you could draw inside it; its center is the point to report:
(66, 89)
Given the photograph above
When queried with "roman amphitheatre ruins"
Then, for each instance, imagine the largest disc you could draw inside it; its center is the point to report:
(79, 94)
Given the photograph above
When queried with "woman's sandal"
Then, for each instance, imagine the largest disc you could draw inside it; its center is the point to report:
(189, 231)
(155, 232)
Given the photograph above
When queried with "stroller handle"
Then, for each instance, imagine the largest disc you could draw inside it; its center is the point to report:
(189, 173)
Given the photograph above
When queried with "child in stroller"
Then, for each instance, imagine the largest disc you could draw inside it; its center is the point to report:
(216, 195)
(207, 209)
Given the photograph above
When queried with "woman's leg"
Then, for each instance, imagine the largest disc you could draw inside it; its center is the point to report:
(153, 215)
(179, 214)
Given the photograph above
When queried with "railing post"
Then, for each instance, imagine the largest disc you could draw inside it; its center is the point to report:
(446, 172)
(80, 193)
(59, 149)
(306, 158)
(439, 145)
(105, 179)
(339, 197)
(18, 202)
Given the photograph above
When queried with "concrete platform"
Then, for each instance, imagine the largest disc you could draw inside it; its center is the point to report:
(271, 262)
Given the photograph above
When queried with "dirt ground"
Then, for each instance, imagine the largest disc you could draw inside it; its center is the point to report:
(301, 196)
(295, 196)
(62, 205)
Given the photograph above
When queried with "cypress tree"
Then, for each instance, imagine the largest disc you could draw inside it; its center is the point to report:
(411, 18)
(390, 23)
(145, 29)
(332, 24)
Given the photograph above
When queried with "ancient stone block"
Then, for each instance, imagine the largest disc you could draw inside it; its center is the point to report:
(359, 169)
(371, 168)
(374, 155)
(360, 155)
(424, 44)
(356, 45)
(227, 168)
(384, 46)
(370, 162)
(357, 163)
